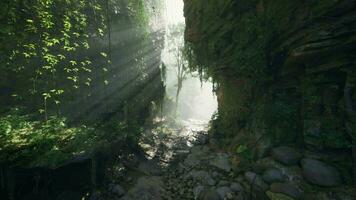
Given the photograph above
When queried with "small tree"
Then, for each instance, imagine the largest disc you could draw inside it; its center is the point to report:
(176, 47)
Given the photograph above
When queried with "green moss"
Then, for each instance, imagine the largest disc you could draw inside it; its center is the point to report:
(28, 143)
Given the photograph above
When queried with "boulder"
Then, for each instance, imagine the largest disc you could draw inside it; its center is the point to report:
(149, 167)
(273, 175)
(236, 187)
(197, 154)
(201, 176)
(221, 161)
(209, 195)
(320, 173)
(146, 188)
(277, 196)
(291, 173)
(116, 190)
(223, 183)
(256, 180)
(286, 155)
(224, 192)
(287, 189)
(263, 147)
(201, 139)
(197, 191)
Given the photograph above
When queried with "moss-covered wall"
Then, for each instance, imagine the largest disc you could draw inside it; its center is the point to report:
(282, 69)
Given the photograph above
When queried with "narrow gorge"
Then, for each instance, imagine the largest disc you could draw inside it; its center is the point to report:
(177, 100)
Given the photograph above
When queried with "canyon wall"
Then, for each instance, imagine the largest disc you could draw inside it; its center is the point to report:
(285, 73)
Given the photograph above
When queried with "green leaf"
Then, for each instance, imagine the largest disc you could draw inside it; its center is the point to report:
(104, 54)
(241, 149)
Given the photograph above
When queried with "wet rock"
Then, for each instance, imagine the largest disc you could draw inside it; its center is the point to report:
(287, 189)
(224, 192)
(236, 187)
(256, 180)
(286, 155)
(320, 173)
(221, 161)
(277, 196)
(116, 190)
(273, 175)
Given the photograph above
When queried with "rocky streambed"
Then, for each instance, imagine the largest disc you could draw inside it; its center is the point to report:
(205, 172)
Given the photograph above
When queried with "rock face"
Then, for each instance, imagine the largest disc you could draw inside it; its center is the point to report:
(320, 173)
(282, 68)
(286, 155)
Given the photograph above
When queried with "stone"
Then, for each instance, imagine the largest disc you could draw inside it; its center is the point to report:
(273, 175)
(255, 179)
(221, 161)
(150, 167)
(286, 155)
(116, 190)
(223, 183)
(264, 147)
(215, 174)
(197, 191)
(320, 173)
(70, 195)
(196, 155)
(236, 187)
(291, 173)
(146, 188)
(327, 195)
(287, 189)
(224, 192)
(277, 196)
(241, 196)
(209, 195)
(201, 139)
(201, 176)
